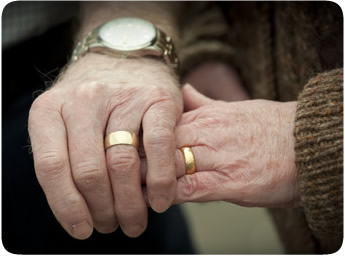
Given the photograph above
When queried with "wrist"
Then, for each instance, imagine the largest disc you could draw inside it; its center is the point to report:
(96, 13)
(128, 37)
(288, 113)
(100, 67)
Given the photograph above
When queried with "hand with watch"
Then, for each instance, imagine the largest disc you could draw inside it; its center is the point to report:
(115, 84)
(128, 37)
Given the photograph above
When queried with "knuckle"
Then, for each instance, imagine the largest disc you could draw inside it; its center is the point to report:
(46, 99)
(188, 186)
(90, 91)
(39, 104)
(40, 101)
(122, 159)
(50, 164)
(87, 175)
(161, 181)
(159, 136)
(160, 94)
(42, 108)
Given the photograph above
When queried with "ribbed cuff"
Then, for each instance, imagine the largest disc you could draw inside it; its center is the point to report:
(319, 156)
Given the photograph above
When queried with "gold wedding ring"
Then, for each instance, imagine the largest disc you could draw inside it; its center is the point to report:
(189, 159)
(121, 138)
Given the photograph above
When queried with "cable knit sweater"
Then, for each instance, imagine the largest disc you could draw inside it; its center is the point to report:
(287, 51)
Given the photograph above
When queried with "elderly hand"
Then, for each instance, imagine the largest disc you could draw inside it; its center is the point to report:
(244, 151)
(86, 187)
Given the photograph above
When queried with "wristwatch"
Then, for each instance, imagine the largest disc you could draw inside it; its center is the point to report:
(128, 37)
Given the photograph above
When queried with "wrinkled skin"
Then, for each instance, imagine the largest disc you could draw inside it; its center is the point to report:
(244, 151)
(85, 186)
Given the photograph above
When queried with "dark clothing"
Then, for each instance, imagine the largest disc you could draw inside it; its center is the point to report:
(28, 225)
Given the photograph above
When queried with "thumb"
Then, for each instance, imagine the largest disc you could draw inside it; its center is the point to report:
(193, 99)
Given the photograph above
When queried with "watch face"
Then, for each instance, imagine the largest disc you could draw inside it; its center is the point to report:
(127, 34)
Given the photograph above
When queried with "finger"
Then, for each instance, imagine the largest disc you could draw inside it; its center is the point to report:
(49, 145)
(188, 188)
(200, 154)
(201, 185)
(159, 142)
(85, 129)
(204, 183)
(180, 168)
(124, 170)
(193, 99)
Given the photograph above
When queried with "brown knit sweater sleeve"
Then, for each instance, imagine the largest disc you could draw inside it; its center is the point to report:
(319, 157)
(204, 36)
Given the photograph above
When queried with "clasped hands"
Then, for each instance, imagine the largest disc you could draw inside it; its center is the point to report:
(243, 150)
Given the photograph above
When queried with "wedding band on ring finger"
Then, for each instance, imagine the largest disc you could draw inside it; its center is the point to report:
(121, 138)
(189, 160)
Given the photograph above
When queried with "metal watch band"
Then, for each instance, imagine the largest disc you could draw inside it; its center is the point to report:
(167, 46)
(83, 46)
(164, 43)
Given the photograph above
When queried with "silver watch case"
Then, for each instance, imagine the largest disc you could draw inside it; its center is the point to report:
(160, 46)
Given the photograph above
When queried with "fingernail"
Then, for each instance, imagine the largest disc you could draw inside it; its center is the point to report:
(106, 229)
(82, 230)
(159, 204)
(134, 230)
(106, 226)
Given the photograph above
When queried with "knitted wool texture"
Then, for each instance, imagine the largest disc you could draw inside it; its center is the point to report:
(319, 156)
(277, 47)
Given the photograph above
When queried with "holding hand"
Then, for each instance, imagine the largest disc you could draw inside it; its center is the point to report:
(244, 151)
(97, 95)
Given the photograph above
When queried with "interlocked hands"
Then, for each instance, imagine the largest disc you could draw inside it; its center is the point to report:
(243, 150)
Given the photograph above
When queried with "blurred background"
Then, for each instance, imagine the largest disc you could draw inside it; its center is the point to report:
(224, 228)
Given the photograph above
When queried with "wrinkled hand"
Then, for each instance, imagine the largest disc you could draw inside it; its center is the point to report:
(86, 187)
(244, 151)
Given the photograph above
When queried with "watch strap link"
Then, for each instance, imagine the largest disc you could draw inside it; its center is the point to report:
(163, 42)
(83, 46)
(167, 46)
